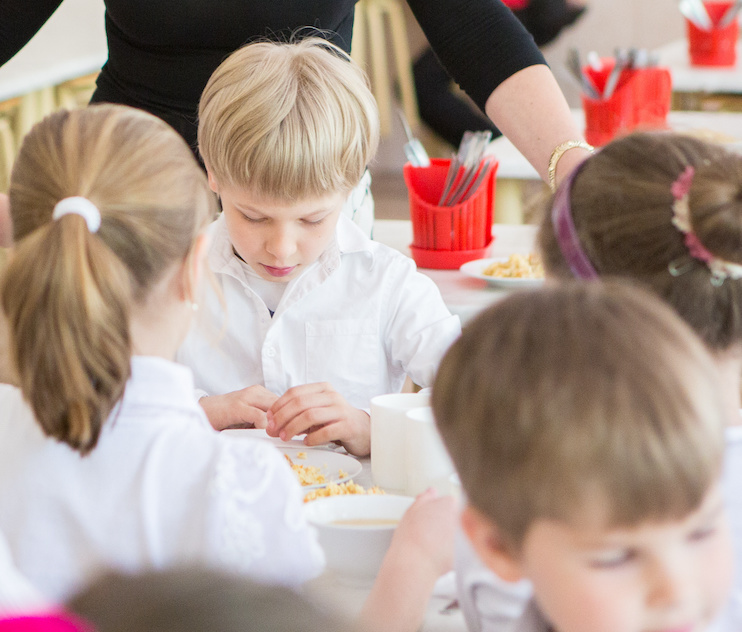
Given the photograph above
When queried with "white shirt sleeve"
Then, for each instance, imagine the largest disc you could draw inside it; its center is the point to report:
(420, 328)
(256, 520)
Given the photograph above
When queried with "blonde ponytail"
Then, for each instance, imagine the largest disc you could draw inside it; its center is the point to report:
(67, 293)
(72, 364)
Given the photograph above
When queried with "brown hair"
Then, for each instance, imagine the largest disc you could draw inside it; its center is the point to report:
(66, 292)
(552, 396)
(288, 120)
(196, 599)
(622, 210)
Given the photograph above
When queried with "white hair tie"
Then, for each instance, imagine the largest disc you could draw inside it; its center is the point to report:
(79, 206)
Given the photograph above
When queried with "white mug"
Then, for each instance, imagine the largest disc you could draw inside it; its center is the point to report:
(426, 459)
(388, 438)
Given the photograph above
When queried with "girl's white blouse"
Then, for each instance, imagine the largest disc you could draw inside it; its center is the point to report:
(161, 488)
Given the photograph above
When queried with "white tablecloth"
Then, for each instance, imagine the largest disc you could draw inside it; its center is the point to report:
(464, 296)
(687, 78)
(347, 600)
(514, 165)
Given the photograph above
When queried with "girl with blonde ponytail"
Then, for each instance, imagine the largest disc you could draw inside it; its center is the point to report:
(106, 459)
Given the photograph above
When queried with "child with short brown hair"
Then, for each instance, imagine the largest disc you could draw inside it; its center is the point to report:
(586, 425)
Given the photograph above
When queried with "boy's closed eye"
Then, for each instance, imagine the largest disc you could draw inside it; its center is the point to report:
(313, 221)
(612, 558)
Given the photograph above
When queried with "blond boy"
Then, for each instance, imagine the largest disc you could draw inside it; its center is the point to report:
(319, 318)
(587, 429)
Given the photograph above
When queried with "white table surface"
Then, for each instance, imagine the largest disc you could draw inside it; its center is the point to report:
(464, 296)
(347, 600)
(71, 44)
(514, 165)
(687, 78)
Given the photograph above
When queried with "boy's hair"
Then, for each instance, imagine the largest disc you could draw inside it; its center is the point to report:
(67, 292)
(621, 205)
(554, 397)
(196, 599)
(288, 120)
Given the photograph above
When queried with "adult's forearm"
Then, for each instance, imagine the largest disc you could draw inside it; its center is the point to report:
(530, 109)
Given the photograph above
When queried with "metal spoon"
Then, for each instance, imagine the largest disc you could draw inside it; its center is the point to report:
(456, 162)
(475, 185)
(696, 13)
(622, 61)
(413, 149)
(575, 67)
(730, 14)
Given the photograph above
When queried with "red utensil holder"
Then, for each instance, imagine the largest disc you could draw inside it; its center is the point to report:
(641, 100)
(448, 236)
(717, 47)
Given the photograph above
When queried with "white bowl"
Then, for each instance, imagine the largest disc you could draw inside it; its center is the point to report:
(355, 532)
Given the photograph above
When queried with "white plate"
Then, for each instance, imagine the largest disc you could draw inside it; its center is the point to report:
(259, 433)
(329, 464)
(474, 269)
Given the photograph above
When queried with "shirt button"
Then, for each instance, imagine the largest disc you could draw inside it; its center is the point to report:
(270, 352)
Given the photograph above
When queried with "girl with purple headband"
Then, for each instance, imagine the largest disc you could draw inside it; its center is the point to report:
(664, 210)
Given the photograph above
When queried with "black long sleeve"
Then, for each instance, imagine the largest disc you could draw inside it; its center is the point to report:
(479, 42)
(161, 53)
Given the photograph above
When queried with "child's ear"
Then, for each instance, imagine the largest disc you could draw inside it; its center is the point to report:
(489, 545)
(193, 266)
(213, 184)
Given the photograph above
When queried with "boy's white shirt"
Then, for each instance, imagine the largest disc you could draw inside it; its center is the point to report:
(361, 318)
(491, 604)
(161, 488)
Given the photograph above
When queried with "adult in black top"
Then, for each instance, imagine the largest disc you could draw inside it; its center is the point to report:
(162, 52)
(445, 112)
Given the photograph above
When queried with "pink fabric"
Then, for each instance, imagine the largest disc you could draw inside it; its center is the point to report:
(516, 5)
(45, 623)
(681, 187)
(697, 249)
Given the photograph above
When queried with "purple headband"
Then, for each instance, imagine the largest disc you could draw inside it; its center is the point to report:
(565, 231)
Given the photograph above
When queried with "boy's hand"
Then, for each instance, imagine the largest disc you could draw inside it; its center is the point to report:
(421, 551)
(239, 409)
(323, 414)
(426, 532)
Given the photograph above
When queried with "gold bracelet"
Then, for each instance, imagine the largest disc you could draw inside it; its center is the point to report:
(558, 152)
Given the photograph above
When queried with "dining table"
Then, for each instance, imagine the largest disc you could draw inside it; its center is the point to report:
(514, 171)
(464, 296)
(346, 599)
(710, 88)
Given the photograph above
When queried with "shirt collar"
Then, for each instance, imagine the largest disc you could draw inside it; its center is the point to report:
(158, 382)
